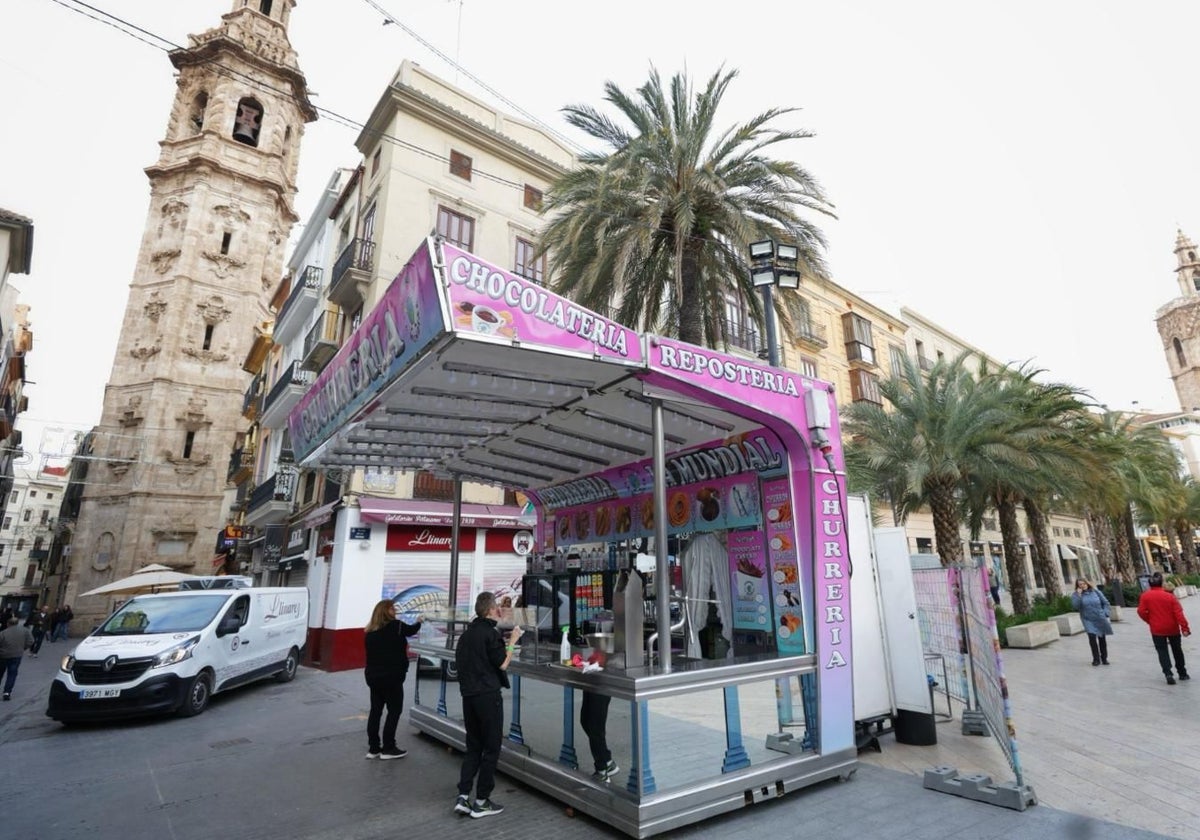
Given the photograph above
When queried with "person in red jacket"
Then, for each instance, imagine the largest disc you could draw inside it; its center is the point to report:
(1162, 611)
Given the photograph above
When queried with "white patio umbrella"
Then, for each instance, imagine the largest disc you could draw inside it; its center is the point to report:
(146, 579)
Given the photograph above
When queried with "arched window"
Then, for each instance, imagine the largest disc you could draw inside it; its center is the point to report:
(1179, 352)
(1191, 256)
(196, 115)
(247, 125)
(105, 546)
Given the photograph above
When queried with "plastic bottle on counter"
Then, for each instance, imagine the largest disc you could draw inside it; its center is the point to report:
(564, 649)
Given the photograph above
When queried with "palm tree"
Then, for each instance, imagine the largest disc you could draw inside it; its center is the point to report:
(939, 430)
(1041, 461)
(655, 228)
(1140, 463)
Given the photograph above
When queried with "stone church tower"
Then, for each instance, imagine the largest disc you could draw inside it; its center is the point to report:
(221, 209)
(1179, 325)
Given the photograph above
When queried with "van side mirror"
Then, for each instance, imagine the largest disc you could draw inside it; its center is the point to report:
(229, 624)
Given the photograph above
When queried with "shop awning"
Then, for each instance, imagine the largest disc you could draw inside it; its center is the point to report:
(318, 516)
(1161, 543)
(409, 512)
(1065, 552)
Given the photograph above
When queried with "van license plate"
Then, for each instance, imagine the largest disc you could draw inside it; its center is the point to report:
(98, 693)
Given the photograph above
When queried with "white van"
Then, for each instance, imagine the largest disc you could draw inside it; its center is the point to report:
(171, 651)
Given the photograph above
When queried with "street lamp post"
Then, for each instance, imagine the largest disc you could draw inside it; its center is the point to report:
(773, 265)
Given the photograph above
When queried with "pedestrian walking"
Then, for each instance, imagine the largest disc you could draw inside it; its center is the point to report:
(1094, 611)
(1163, 612)
(14, 641)
(38, 623)
(387, 666)
(994, 585)
(482, 659)
(61, 623)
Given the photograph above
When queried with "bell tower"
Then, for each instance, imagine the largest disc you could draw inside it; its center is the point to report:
(221, 209)
(1179, 324)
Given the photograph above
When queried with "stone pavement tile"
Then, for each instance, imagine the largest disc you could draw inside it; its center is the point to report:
(1113, 742)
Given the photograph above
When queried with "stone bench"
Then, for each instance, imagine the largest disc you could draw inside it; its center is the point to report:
(1032, 635)
(1068, 623)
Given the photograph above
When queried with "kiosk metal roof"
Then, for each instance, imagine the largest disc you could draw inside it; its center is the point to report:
(468, 371)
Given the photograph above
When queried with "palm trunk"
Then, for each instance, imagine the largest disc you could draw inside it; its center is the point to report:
(1136, 557)
(691, 326)
(1014, 560)
(1040, 536)
(1102, 541)
(1187, 541)
(945, 522)
(1172, 541)
(1121, 541)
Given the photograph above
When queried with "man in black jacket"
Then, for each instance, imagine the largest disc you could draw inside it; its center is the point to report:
(482, 659)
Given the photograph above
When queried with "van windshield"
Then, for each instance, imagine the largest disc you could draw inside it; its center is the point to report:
(163, 615)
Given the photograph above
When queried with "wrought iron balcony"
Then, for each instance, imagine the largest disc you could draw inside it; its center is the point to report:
(252, 400)
(352, 274)
(924, 363)
(743, 335)
(285, 393)
(322, 342)
(271, 502)
(300, 303)
(811, 334)
(241, 465)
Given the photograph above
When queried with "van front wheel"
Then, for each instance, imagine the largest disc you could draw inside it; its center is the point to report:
(288, 673)
(199, 691)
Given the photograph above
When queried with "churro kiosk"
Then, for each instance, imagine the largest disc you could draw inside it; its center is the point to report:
(690, 543)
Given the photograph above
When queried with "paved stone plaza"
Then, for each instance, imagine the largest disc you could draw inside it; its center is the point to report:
(1113, 754)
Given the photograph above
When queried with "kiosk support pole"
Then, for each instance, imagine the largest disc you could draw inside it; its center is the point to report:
(452, 595)
(662, 570)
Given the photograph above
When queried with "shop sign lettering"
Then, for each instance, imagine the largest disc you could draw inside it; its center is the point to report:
(540, 304)
(726, 369)
(831, 562)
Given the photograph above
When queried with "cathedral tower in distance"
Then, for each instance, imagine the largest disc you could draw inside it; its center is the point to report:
(1179, 325)
(221, 209)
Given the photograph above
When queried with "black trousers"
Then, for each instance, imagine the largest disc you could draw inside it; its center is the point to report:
(390, 693)
(483, 716)
(593, 717)
(1176, 643)
(1099, 647)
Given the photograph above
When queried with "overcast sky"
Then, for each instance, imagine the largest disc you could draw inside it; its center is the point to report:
(1015, 171)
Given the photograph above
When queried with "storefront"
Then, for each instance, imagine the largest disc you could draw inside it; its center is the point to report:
(678, 491)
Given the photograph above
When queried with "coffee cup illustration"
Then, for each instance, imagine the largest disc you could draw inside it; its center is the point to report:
(485, 320)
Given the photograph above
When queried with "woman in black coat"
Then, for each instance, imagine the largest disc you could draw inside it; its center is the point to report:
(387, 665)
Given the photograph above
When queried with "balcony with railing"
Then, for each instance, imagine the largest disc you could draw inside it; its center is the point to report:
(271, 502)
(924, 363)
(744, 336)
(299, 305)
(352, 274)
(285, 393)
(252, 399)
(323, 340)
(812, 335)
(241, 464)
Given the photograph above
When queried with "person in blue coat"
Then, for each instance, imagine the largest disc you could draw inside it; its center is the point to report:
(1093, 609)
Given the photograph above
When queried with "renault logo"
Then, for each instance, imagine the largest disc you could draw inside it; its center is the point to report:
(110, 663)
